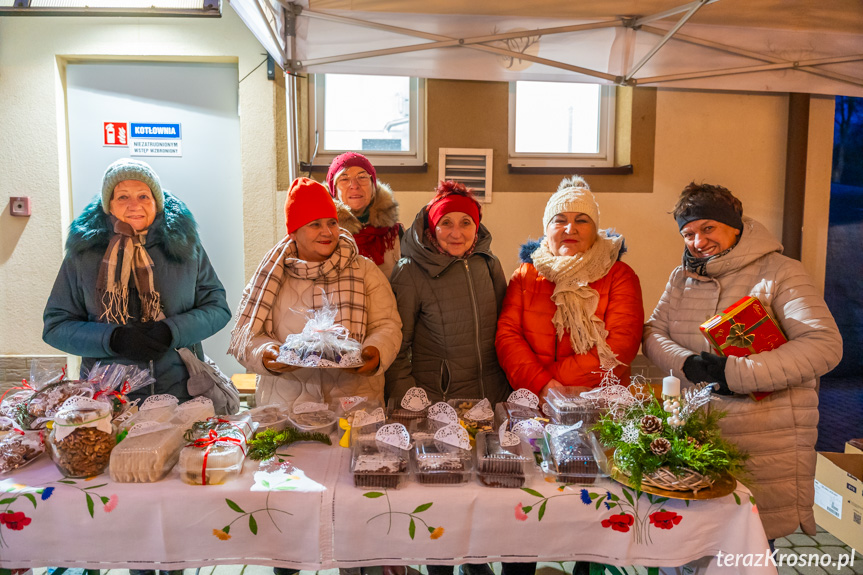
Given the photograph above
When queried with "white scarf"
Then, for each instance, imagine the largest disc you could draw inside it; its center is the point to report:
(576, 301)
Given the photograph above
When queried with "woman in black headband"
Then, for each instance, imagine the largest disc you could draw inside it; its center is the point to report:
(729, 256)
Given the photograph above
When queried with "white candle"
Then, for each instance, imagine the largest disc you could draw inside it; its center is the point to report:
(670, 386)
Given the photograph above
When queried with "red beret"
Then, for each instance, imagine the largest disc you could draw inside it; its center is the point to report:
(347, 160)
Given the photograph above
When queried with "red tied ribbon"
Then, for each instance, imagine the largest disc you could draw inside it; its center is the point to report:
(212, 439)
(106, 392)
(24, 385)
(124, 388)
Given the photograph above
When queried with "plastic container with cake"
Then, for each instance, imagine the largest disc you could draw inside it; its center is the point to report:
(188, 412)
(376, 465)
(270, 417)
(216, 449)
(322, 421)
(568, 407)
(573, 456)
(515, 413)
(498, 465)
(424, 429)
(437, 463)
(158, 408)
(398, 414)
(147, 454)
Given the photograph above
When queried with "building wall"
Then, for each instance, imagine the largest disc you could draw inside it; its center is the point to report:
(33, 153)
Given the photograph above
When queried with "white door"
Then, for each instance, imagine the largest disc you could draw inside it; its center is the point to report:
(202, 99)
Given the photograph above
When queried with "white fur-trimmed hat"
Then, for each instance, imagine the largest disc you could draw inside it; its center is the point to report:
(572, 195)
(129, 169)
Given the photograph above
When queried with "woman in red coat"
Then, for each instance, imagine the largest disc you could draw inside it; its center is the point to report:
(573, 308)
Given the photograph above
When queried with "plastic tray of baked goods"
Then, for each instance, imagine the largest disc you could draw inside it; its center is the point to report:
(437, 463)
(568, 407)
(197, 409)
(149, 451)
(515, 413)
(474, 413)
(158, 408)
(376, 465)
(499, 465)
(398, 414)
(269, 417)
(571, 455)
(322, 420)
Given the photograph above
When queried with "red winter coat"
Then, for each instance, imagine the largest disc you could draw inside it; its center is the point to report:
(527, 345)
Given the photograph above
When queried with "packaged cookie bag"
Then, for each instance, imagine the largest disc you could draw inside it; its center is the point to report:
(323, 343)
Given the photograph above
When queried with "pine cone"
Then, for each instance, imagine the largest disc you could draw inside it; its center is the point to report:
(660, 446)
(651, 424)
(694, 442)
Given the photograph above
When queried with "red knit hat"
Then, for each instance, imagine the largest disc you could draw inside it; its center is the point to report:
(453, 197)
(307, 201)
(347, 160)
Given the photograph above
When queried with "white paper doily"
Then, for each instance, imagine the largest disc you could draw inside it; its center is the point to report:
(557, 430)
(453, 434)
(507, 438)
(524, 397)
(310, 406)
(529, 428)
(394, 434)
(482, 411)
(351, 402)
(415, 399)
(443, 412)
(362, 418)
(158, 401)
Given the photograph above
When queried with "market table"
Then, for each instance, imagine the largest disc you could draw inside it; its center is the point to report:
(314, 518)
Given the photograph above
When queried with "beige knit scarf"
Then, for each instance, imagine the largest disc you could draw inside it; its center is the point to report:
(576, 301)
(112, 283)
(338, 276)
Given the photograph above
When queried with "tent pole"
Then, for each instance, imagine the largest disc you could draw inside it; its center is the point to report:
(796, 158)
(275, 38)
(754, 55)
(750, 69)
(660, 15)
(695, 8)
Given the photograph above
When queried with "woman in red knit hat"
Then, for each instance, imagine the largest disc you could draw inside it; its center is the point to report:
(314, 259)
(366, 208)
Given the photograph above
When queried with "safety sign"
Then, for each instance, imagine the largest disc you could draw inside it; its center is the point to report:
(155, 139)
(115, 134)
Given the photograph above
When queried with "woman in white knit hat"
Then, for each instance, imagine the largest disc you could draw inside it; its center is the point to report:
(572, 309)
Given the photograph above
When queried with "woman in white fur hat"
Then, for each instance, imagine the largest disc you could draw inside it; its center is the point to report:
(573, 308)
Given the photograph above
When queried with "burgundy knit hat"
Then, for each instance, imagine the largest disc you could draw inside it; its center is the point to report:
(307, 201)
(347, 160)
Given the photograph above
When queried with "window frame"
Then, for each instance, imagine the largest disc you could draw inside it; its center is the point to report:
(415, 156)
(605, 157)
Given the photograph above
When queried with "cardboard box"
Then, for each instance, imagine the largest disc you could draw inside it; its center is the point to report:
(854, 446)
(839, 496)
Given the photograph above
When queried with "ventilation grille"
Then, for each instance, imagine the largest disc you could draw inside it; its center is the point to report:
(469, 166)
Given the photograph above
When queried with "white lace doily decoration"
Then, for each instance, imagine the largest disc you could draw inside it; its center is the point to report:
(481, 411)
(309, 407)
(415, 399)
(394, 434)
(158, 401)
(507, 438)
(146, 427)
(529, 428)
(546, 409)
(362, 418)
(556, 430)
(76, 402)
(98, 416)
(524, 397)
(453, 434)
(443, 412)
(195, 403)
(630, 433)
(349, 403)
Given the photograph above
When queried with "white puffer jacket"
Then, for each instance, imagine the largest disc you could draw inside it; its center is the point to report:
(779, 432)
(383, 331)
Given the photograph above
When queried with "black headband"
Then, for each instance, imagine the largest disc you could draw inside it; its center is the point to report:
(704, 209)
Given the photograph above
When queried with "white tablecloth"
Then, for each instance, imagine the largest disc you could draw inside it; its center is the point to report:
(99, 524)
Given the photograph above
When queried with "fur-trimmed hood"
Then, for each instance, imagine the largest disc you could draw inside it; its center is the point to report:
(174, 228)
(527, 248)
(383, 212)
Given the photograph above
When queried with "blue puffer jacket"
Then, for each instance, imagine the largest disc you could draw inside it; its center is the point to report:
(192, 296)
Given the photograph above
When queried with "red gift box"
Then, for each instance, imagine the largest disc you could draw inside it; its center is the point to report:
(743, 329)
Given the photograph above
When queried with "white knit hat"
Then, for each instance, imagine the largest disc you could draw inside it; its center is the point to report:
(572, 195)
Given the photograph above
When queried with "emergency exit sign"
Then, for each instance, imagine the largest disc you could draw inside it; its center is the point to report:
(148, 139)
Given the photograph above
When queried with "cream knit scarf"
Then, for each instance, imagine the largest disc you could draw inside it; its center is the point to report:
(576, 301)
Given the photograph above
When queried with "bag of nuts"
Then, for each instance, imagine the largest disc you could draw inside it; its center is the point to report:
(19, 448)
(82, 437)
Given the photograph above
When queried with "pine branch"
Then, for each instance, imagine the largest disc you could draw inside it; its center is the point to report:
(265, 444)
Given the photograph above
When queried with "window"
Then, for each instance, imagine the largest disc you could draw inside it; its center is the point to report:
(557, 124)
(380, 116)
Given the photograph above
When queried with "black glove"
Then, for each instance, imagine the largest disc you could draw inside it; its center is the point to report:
(695, 369)
(133, 341)
(715, 365)
(159, 331)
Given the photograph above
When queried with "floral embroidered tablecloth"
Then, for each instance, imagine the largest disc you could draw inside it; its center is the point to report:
(313, 518)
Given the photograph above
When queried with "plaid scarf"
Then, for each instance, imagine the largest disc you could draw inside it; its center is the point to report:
(338, 277)
(576, 301)
(112, 283)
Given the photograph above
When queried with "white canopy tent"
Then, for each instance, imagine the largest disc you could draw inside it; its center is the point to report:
(756, 45)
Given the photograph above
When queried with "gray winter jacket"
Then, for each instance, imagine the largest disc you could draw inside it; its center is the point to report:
(778, 432)
(449, 308)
